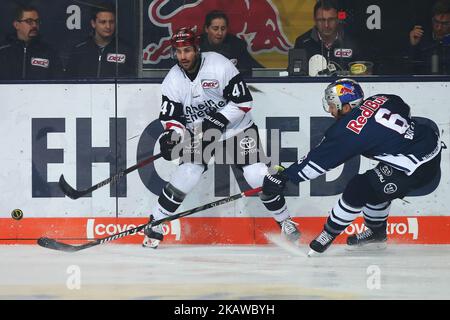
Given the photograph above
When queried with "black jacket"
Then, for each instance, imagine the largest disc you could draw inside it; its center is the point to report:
(234, 49)
(422, 54)
(88, 60)
(33, 61)
(343, 50)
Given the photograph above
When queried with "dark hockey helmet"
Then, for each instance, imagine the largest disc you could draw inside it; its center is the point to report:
(343, 91)
(184, 37)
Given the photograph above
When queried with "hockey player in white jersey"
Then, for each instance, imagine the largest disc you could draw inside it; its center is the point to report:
(380, 128)
(205, 93)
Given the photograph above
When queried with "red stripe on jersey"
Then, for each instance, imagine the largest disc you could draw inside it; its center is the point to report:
(245, 109)
(174, 124)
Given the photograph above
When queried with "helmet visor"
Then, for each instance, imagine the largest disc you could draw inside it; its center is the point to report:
(325, 105)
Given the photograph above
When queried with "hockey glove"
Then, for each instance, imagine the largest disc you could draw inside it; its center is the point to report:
(168, 140)
(215, 121)
(274, 184)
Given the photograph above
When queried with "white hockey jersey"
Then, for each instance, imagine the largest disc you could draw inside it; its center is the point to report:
(218, 87)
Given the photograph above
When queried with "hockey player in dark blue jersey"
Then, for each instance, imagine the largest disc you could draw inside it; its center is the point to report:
(379, 127)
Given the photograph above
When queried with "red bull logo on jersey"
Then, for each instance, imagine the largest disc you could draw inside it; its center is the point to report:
(256, 22)
(368, 109)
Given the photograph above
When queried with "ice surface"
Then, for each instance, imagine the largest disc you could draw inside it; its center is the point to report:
(224, 272)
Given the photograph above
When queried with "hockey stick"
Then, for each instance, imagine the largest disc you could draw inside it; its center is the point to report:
(56, 245)
(75, 194)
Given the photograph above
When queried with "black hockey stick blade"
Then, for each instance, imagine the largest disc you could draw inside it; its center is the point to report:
(68, 190)
(56, 245)
(60, 246)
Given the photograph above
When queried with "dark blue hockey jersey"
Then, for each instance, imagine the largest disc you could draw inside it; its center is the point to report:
(381, 129)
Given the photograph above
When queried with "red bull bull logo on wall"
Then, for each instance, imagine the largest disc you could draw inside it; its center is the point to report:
(256, 22)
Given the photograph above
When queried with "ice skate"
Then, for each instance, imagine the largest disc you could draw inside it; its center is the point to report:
(321, 243)
(368, 240)
(153, 235)
(289, 229)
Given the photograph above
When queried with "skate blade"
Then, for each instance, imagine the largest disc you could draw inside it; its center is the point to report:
(374, 246)
(313, 253)
(149, 247)
(283, 243)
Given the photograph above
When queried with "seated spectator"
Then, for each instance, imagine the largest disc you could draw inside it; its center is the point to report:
(216, 38)
(430, 51)
(327, 39)
(98, 56)
(23, 55)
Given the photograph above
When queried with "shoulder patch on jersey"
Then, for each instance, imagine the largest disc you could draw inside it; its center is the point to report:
(171, 111)
(237, 91)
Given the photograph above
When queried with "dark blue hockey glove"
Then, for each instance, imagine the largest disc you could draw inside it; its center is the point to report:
(168, 140)
(274, 184)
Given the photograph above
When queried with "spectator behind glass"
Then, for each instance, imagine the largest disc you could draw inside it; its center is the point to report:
(216, 38)
(98, 56)
(327, 38)
(431, 50)
(23, 55)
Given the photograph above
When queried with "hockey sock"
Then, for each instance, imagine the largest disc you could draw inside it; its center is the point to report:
(375, 216)
(276, 204)
(168, 202)
(342, 215)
